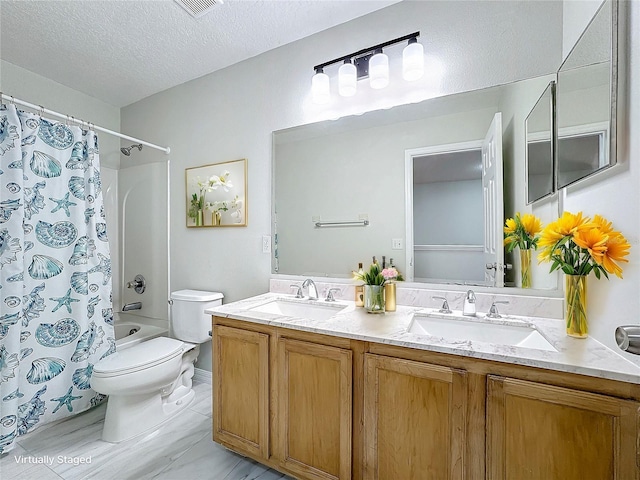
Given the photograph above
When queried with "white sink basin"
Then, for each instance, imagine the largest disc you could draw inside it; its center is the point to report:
(479, 330)
(311, 311)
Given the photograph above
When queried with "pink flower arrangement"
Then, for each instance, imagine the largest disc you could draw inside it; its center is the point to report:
(391, 274)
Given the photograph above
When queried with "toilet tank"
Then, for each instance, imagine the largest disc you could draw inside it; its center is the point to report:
(189, 323)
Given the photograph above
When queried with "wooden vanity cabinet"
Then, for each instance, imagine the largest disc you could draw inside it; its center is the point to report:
(283, 400)
(319, 407)
(538, 431)
(314, 409)
(241, 390)
(414, 420)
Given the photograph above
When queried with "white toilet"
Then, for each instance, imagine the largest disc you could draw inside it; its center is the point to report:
(150, 382)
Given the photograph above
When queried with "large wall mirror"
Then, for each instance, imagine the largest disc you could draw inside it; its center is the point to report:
(351, 173)
(586, 100)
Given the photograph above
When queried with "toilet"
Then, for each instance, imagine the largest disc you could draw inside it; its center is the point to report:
(150, 382)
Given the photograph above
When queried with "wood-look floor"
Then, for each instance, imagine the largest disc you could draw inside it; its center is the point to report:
(180, 449)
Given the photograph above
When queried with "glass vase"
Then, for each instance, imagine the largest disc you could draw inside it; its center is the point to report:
(374, 298)
(575, 291)
(390, 297)
(525, 268)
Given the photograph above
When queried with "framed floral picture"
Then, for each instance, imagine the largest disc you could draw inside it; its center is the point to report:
(217, 195)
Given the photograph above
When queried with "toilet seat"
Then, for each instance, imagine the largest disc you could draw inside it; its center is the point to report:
(139, 357)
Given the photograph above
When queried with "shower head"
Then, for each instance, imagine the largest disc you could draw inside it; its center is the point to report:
(127, 150)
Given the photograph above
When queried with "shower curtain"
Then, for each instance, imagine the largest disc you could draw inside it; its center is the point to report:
(56, 317)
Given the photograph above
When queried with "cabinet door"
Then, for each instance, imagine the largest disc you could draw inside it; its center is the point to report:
(241, 390)
(314, 398)
(415, 417)
(537, 431)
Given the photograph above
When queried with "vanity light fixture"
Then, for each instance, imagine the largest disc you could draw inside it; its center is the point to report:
(369, 62)
(347, 79)
(320, 87)
(379, 70)
(413, 60)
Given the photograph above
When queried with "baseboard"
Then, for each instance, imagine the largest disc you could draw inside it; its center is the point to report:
(202, 376)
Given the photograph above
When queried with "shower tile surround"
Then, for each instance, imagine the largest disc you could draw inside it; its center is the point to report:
(181, 448)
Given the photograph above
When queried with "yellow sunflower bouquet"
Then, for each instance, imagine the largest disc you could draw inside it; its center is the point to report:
(522, 232)
(579, 245)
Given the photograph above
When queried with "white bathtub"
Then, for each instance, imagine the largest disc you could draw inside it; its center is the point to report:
(131, 329)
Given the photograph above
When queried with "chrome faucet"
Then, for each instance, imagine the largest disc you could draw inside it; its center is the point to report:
(493, 310)
(312, 290)
(132, 306)
(445, 305)
(330, 295)
(298, 291)
(469, 307)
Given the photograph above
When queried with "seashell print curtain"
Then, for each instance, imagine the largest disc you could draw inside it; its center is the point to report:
(56, 317)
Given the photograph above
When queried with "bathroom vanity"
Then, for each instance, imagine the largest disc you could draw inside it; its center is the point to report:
(349, 395)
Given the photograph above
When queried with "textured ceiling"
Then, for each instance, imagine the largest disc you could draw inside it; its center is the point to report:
(123, 51)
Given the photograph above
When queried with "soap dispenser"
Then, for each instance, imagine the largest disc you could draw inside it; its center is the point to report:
(469, 307)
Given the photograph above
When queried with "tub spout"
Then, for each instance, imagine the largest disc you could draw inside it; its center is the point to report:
(132, 306)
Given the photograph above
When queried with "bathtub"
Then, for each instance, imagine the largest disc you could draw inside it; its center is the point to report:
(132, 329)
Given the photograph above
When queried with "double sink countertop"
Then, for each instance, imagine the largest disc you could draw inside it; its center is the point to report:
(426, 329)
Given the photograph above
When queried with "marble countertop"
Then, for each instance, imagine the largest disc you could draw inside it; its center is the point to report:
(581, 356)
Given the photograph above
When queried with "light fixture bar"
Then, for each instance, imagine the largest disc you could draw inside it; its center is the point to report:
(368, 50)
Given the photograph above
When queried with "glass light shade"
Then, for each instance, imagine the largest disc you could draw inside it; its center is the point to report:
(347, 80)
(379, 71)
(320, 91)
(413, 61)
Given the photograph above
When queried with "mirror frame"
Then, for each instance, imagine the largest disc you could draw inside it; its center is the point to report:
(613, 97)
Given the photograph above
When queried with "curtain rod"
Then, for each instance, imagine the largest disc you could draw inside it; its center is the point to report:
(40, 108)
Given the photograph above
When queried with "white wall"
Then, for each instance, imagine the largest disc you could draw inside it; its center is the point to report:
(576, 15)
(231, 113)
(615, 195)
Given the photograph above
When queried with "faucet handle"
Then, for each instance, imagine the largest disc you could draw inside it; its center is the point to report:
(445, 304)
(493, 310)
(330, 297)
(298, 291)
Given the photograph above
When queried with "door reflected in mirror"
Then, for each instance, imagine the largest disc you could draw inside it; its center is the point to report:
(446, 214)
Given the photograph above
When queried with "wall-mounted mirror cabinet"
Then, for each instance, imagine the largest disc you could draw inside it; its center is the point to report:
(539, 128)
(585, 111)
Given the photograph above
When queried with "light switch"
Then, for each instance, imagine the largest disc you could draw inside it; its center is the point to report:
(396, 244)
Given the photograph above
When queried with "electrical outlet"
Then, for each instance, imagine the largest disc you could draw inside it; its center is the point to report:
(266, 244)
(396, 244)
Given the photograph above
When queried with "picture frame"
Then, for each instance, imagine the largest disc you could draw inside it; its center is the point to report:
(216, 195)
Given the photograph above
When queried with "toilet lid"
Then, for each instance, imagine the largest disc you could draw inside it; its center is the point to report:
(144, 354)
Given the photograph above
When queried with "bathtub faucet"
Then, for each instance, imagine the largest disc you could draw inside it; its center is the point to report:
(132, 306)
(138, 284)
